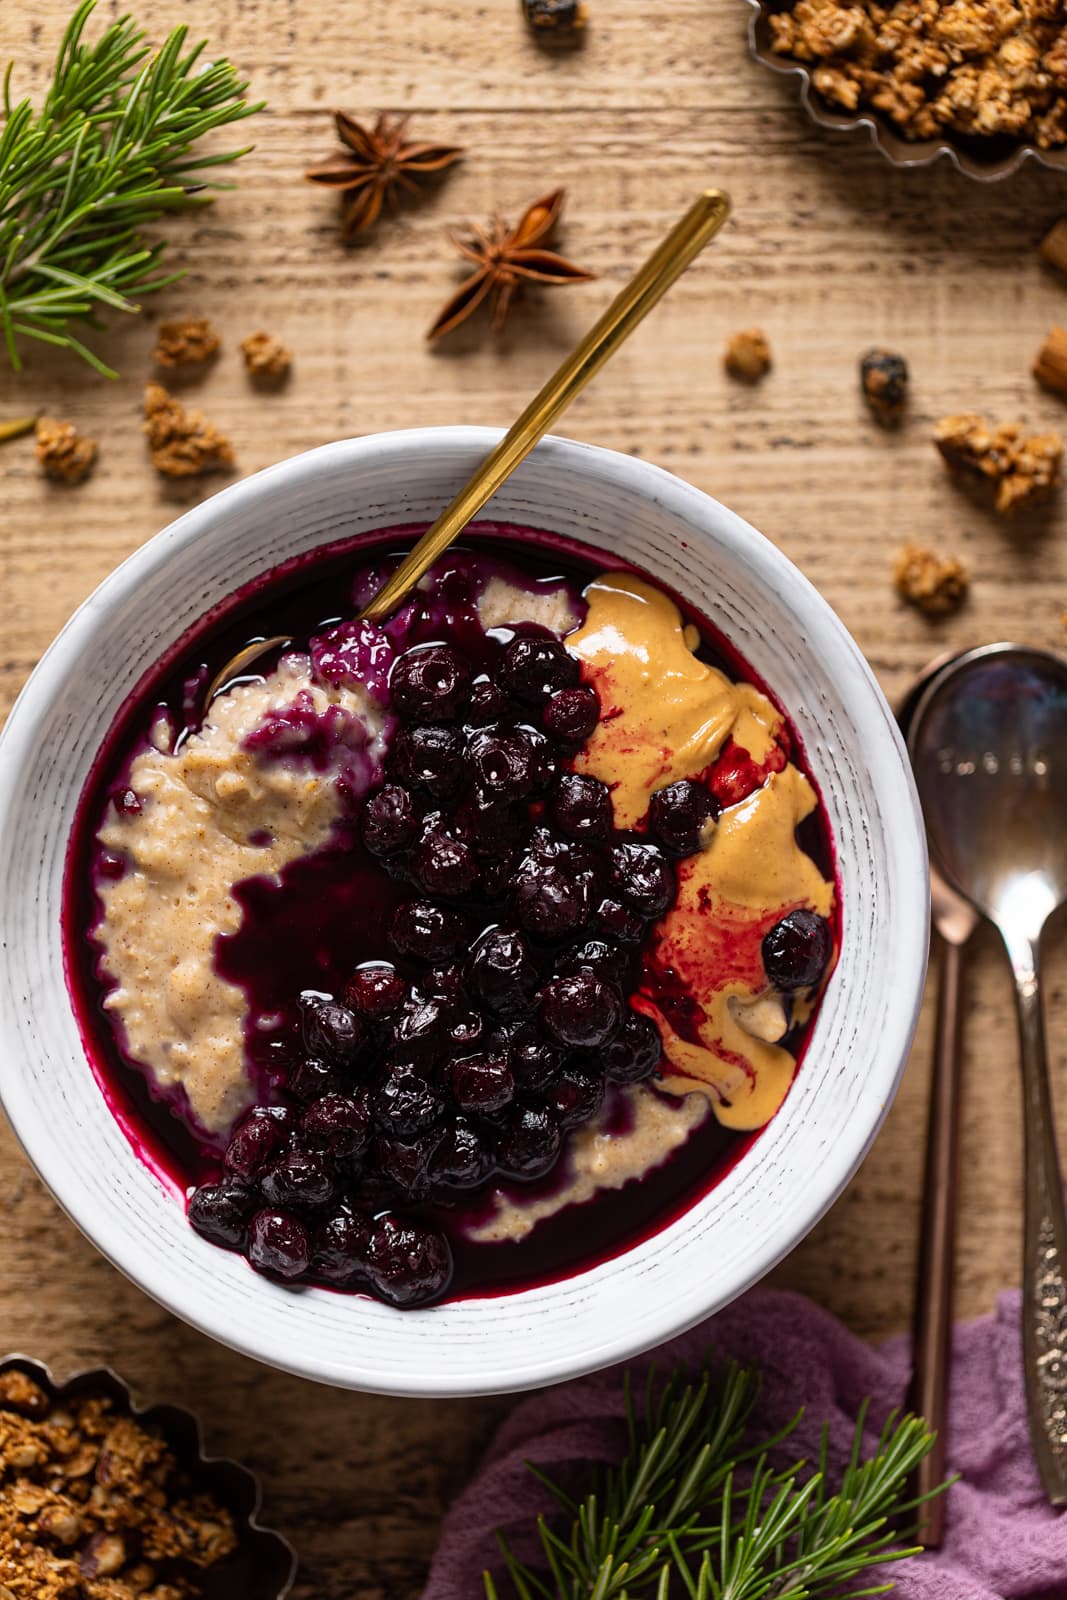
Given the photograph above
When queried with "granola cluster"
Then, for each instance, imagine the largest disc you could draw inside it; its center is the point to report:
(932, 583)
(266, 357)
(93, 1507)
(63, 454)
(183, 443)
(748, 355)
(1022, 472)
(973, 67)
(188, 342)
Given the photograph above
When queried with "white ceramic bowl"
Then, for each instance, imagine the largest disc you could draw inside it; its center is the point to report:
(855, 1057)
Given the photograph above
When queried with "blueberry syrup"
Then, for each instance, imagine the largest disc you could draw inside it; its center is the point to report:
(314, 936)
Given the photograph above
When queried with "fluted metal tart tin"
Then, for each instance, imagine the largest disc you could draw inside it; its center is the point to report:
(987, 160)
(263, 1567)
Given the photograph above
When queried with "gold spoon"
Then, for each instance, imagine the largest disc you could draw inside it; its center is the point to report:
(646, 288)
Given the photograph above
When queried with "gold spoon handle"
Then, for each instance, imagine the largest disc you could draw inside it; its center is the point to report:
(681, 246)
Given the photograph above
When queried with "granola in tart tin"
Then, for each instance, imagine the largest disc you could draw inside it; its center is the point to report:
(918, 75)
(102, 1501)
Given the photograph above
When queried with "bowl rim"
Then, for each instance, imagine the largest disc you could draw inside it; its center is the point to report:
(656, 487)
(907, 154)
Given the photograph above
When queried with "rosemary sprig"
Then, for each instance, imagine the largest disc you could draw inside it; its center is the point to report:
(112, 149)
(695, 1509)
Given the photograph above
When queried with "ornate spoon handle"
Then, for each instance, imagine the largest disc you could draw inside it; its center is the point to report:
(1044, 1237)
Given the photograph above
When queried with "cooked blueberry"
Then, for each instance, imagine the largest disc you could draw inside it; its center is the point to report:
(220, 1212)
(571, 715)
(405, 1104)
(429, 758)
(502, 763)
(498, 878)
(461, 1160)
(535, 667)
(429, 683)
(580, 806)
(466, 1029)
(582, 1012)
(481, 1084)
(680, 813)
(491, 825)
(530, 1144)
(128, 803)
(550, 902)
(443, 865)
(330, 1030)
(487, 703)
(635, 1052)
(375, 990)
(609, 961)
(796, 951)
(535, 1061)
(503, 973)
(577, 1096)
(445, 985)
(618, 922)
(427, 932)
(258, 1139)
(301, 1178)
(419, 1031)
(338, 1124)
(278, 1244)
(340, 1252)
(390, 820)
(408, 1263)
(310, 1079)
(404, 1164)
(643, 877)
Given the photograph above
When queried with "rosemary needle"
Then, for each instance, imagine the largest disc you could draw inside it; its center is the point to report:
(16, 428)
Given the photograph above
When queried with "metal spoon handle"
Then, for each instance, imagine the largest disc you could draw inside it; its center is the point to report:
(681, 246)
(932, 1346)
(1044, 1235)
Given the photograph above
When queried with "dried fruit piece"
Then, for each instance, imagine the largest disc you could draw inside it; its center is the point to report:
(1050, 363)
(186, 342)
(884, 379)
(932, 583)
(556, 16)
(1022, 472)
(183, 443)
(64, 454)
(266, 357)
(748, 355)
(1053, 246)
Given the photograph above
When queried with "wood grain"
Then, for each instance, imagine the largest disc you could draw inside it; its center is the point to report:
(831, 250)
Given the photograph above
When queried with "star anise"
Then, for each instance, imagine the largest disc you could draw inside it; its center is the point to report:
(505, 259)
(375, 164)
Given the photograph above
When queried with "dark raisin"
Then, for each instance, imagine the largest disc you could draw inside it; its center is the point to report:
(258, 1138)
(680, 814)
(571, 715)
(375, 991)
(503, 973)
(220, 1212)
(796, 951)
(580, 806)
(427, 932)
(303, 1178)
(481, 1084)
(278, 1244)
(643, 877)
(581, 1012)
(884, 380)
(390, 821)
(530, 1145)
(535, 667)
(429, 683)
(635, 1052)
(408, 1263)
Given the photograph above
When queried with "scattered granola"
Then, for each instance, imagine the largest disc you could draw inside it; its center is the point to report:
(933, 584)
(183, 443)
(556, 16)
(1050, 364)
(1054, 245)
(748, 355)
(93, 1505)
(884, 380)
(186, 342)
(266, 357)
(1021, 472)
(63, 453)
(973, 67)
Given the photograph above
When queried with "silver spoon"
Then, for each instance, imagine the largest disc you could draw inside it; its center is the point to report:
(989, 747)
(955, 920)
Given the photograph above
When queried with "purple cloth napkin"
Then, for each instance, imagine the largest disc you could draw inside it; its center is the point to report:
(1003, 1541)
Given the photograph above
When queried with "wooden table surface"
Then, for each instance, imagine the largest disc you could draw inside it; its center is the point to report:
(831, 250)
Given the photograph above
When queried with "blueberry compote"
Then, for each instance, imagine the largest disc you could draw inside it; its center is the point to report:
(439, 994)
